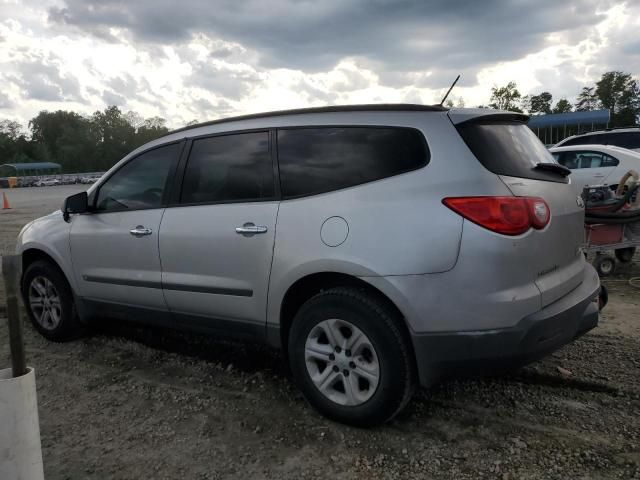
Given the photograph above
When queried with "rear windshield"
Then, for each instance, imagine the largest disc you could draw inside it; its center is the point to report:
(508, 148)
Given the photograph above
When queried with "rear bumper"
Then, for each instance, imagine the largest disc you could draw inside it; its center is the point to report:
(442, 354)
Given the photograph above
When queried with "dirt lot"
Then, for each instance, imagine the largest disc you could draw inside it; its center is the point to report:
(133, 403)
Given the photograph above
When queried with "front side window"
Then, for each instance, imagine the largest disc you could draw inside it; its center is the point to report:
(140, 183)
(322, 159)
(584, 140)
(604, 139)
(229, 168)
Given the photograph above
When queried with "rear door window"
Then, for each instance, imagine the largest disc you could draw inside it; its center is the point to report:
(322, 159)
(508, 148)
(229, 168)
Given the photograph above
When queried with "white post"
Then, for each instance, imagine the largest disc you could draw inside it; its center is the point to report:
(20, 449)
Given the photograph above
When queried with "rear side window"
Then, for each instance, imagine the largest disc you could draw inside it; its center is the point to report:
(625, 140)
(583, 159)
(508, 148)
(317, 160)
(229, 168)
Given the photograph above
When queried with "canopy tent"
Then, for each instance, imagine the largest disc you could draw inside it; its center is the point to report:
(595, 117)
(32, 168)
(556, 126)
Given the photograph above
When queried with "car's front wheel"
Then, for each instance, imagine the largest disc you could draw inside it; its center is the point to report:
(49, 301)
(350, 357)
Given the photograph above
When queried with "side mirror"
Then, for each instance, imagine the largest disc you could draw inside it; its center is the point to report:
(78, 203)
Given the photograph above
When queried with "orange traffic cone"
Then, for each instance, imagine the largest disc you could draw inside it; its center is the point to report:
(5, 202)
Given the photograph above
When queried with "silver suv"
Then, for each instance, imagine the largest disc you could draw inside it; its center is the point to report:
(380, 246)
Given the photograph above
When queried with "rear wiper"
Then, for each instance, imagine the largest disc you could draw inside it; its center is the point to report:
(553, 167)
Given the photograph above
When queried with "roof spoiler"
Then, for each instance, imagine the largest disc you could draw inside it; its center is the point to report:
(464, 115)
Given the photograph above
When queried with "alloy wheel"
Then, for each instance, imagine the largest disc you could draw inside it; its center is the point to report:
(45, 303)
(342, 362)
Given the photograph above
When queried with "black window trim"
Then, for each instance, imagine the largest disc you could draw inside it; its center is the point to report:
(168, 186)
(377, 126)
(176, 189)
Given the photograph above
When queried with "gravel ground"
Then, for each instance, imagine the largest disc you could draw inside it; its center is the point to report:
(126, 402)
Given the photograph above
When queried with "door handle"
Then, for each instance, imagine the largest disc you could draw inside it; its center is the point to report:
(598, 175)
(249, 229)
(140, 231)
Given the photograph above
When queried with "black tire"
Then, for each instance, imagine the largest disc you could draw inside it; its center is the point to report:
(382, 326)
(605, 265)
(625, 255)
(68, 326)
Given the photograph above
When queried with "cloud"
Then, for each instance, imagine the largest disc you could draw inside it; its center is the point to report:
(207, 59)
(396, 36)
(112, 98)
(5, 101)
(40, 78)
(223, 80)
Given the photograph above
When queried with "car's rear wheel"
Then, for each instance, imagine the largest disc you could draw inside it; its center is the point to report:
(350, 357)
(49, 302)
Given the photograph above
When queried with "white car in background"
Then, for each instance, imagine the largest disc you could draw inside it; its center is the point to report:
(50, 182)
(618, 137)
(88, 180)
(596, 164)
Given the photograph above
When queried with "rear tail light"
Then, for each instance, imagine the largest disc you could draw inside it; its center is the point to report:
(505, 215)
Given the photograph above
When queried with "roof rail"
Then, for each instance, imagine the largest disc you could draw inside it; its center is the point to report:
(372, 107)
(610, 129)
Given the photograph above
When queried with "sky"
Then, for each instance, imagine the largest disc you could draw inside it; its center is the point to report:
(205, 59)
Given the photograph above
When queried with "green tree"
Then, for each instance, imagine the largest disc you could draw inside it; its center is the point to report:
(151, 129)
(78, 143)
(134, 119)
(506, 98)
(63, 137)
(587, 100)
(563, 106)
(11, 129)
(114, 135)
(619, 93)
(540, 103)
(458, 104)
(12, 142)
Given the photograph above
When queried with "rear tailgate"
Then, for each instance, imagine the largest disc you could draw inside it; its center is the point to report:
(560, 264)
(506, 146)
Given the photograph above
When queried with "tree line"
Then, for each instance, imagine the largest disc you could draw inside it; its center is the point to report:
(94, 143)
(616, 91)
(78, 143)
